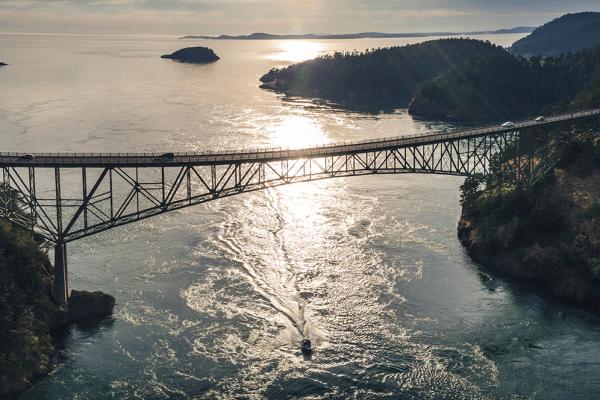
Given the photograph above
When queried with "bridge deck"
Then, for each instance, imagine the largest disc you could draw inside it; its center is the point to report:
(233, 156)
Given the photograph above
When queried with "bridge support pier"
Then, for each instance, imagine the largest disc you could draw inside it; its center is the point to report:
(61, 283)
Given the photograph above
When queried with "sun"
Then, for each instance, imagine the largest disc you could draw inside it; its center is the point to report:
(297, 50)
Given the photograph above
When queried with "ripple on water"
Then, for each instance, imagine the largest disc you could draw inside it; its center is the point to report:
(213, 301)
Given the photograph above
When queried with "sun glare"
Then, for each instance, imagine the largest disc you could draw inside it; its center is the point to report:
(297, 50)
(297, 131)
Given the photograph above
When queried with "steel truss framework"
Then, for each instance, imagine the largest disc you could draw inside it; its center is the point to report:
(83, 200)
(66, 197)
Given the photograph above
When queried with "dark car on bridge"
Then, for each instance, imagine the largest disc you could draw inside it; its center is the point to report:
(26, 157)
(165, 157)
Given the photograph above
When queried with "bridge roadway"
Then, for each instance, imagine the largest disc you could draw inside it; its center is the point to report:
(116, 189)
(65, 160)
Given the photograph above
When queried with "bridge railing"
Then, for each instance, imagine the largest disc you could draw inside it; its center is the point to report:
(208, 155)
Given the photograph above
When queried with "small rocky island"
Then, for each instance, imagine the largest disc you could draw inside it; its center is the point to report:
(193, 55)
(2, 64)
(31, 324)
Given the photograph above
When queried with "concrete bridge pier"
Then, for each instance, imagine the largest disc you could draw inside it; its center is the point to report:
(61, 283)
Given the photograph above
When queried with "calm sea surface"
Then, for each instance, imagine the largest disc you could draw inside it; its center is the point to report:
(213, 300)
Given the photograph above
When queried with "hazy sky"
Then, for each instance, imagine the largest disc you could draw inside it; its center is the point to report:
(277, 16)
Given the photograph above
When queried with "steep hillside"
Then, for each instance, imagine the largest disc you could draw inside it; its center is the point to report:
(505, 87)
(27, 314)
(569, 33)
(488, 88)
(549, 234)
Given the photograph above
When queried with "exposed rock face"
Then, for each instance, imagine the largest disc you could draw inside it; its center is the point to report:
(274, 85)
(194, 55)
(83, 307)
(27, 313)
(31, 325)
(86, 306)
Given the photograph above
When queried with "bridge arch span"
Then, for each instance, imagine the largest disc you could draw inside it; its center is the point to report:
(68, 196)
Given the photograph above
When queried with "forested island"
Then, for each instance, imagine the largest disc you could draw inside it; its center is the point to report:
(377, 78)
(548, 233)
(193, 55)
(454, 79)
(31, 325)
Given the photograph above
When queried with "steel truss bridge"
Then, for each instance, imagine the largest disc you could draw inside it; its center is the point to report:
(65, 196)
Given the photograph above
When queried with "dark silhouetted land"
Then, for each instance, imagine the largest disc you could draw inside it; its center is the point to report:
(194, 55)
(569, 33)
(447, 79)
(384, 77)
(501, 87)
(361, 35)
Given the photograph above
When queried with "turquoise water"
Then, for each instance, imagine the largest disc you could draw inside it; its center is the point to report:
(213, 300)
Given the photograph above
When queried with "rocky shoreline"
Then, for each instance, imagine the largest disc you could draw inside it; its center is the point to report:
(32, 326)
(576, 288)
(83, 308)
(549, 233)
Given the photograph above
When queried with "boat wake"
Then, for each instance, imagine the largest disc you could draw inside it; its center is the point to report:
(258, 244)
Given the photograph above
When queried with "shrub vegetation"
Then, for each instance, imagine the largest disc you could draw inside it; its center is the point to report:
(550, 232)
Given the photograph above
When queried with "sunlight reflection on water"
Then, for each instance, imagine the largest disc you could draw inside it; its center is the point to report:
(296, 131)
(212, 301)
(298, 50)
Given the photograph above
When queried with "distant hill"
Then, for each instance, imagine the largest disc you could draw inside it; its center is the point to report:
(518, 29)
(569, 33)
(361, 35)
